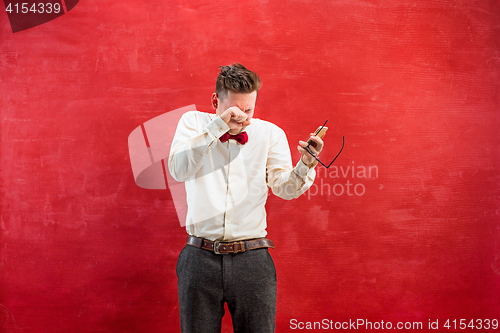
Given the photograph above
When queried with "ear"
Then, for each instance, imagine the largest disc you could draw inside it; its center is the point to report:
(215, 101)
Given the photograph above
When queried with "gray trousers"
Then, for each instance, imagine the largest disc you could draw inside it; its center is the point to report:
(245, 281)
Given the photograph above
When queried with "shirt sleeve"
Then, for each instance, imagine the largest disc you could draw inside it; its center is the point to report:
(287, 182)
(191, 143)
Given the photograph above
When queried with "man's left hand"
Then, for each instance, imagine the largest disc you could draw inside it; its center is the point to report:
(316, 149)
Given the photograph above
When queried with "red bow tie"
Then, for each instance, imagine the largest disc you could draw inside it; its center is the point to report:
(242, 137)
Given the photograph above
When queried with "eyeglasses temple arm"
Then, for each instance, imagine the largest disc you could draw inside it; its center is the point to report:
(343, 143)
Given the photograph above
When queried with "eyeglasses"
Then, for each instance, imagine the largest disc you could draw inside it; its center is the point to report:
(314, 155)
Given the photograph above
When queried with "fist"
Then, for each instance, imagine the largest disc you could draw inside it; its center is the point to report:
(316, 147)
(236, 119)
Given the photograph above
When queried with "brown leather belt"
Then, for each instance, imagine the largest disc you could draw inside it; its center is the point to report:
(229, 247)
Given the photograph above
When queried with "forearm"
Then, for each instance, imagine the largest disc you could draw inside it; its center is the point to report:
(186, 160)
(291, 184)
(190, 146)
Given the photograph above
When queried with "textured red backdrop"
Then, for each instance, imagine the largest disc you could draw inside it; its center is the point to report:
(412, 85)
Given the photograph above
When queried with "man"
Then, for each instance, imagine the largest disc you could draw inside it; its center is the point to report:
(228, 161)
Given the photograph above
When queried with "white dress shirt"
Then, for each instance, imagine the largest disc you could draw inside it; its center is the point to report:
(227, 183)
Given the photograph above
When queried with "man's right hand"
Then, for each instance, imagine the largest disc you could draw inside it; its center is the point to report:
(235, 119)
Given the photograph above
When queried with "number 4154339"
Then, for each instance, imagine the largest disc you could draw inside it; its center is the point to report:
(36, 8)
(477, 324)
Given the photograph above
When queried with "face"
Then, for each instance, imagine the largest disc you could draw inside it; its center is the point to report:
(245, 102)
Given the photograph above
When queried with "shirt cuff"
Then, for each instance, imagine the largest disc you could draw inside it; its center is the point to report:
(302, 170)
(217, 127)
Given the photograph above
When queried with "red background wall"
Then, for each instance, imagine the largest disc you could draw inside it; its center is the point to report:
(413, 86)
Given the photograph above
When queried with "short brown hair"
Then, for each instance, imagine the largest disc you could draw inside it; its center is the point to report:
(238, 79)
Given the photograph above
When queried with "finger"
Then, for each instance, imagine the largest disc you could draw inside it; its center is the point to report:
(304, 152)
(243, 117)
(303, 143)
(317, 142)
(312, 148)
(239, 119)
(313, 139)
(236, 113)
(302, 149)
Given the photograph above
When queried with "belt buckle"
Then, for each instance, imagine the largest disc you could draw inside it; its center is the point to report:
(216, 247)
